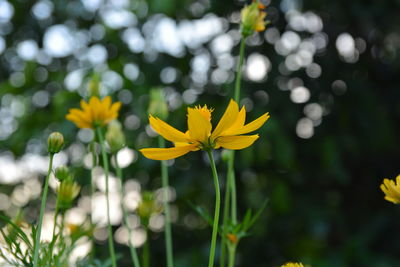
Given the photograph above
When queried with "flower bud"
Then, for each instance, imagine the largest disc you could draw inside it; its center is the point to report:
(253, 18)
(158, 106)
(226, 154)
(115, 137)
(67, 191)
(94, 86)
(55, 142)
(147, 207)
(62, 173)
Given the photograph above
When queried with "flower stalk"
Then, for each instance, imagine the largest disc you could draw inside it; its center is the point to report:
(41, 214)
(106, 173)
(132, 249)
(167, 227)
(146, 250)
(217, 208)
(232, 254)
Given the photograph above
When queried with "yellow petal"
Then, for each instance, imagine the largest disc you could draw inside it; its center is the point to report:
(236, 142)
(227, 120)
(166, 153)
(85, 106)
(199, 126)
(239, 123)
(79, 117)
(250, 127)
(106, 102)
(95, 105)
(167, 131)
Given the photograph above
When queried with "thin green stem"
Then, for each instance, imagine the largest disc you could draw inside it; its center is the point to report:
(232, 185)
(106, 170)
(146, 251)
(168, 231)
(239, 70)
(134, 255)
(232, 253)
(230, 191)
(41, 214)
(62, 226)
(225, 221)
(55, 220)
(92, 191)
(217, 208)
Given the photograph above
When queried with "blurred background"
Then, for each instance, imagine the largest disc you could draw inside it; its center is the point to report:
(327, 71)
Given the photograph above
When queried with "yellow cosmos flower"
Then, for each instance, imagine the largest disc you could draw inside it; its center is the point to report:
(293, 264)
(227, 134)
(391, 190)
(95, 113)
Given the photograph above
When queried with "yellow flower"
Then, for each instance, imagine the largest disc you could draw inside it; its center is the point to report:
(95, 113)
(391, 190)
(293, 264)
(227, 134)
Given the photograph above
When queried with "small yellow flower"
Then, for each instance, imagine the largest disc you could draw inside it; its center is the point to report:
(391, 190)
(227, 134)
(95, 113)
(293, 264)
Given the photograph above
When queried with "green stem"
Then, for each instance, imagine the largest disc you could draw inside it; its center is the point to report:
(55, 220)
(230, 191)
(92, 191)
(239, 70)
(105, 165)
(232, 252)
(41, 214)
(217, 208)
(225, 221)
(232, 185)
(146, 250)
(168, 231)
(134, 255)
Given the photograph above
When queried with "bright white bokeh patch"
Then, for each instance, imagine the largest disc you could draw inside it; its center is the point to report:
(257, 67)
(42, 9)
(6, 11)
(305, 128)
(58, 41)
(27, 50)
(97, 54)
(125, 157)
(300, 94)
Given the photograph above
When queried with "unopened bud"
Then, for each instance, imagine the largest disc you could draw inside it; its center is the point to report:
(94, 86)
(115, 137)
(158, 106)
(62, 173)
(253, 18)
(55, 142)
(67, 191)
(147, 207)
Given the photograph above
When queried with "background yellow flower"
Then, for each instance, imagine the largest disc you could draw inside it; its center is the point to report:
(391, 190)
(95, 113)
